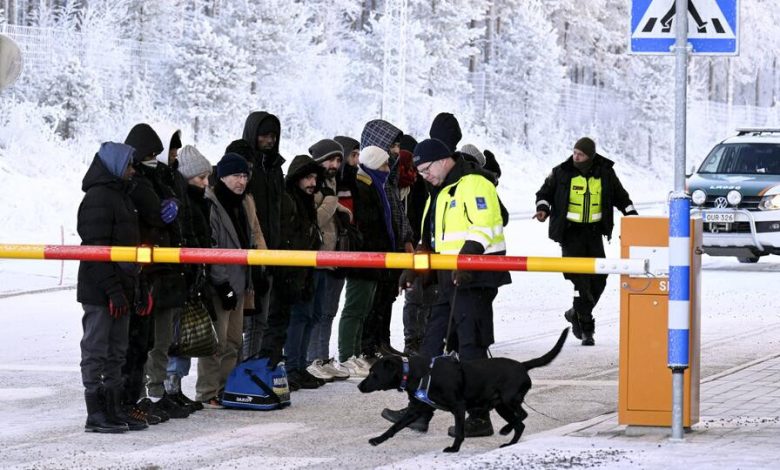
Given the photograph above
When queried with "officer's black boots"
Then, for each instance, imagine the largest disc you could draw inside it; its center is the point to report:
(420, 424)
(97, 418)
(477, 424)
(571, 317)
(587, 333)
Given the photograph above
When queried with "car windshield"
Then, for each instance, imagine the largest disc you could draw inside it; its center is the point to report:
(743, 159)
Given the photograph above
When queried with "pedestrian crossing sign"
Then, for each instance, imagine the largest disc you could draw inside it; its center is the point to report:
(713, 26)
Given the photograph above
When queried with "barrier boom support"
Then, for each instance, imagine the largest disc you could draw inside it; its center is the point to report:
(321, 259)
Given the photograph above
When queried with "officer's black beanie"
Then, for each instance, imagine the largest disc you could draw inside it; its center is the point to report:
(586, 146)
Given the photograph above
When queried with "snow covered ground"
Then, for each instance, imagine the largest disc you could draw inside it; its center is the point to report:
(42, 409)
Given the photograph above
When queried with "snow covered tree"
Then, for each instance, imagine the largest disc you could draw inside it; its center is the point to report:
(212, 79)
(526, 77)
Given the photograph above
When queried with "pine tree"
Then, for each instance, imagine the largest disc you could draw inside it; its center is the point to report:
(526, 83)
(212, 79)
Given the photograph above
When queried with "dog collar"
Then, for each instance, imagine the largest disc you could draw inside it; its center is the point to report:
(404, 374)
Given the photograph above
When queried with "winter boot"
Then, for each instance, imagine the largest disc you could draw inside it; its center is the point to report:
(117, 414)
(420, 424)
(97, 418)
(477, 424)
(572, 317)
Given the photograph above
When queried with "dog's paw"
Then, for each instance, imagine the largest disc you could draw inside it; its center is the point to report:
(452, 449)
(375, 441)
(505, 430)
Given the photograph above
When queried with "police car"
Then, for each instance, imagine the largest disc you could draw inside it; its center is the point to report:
(736, 191)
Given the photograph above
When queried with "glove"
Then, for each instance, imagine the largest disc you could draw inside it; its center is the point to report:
(118, 305)
(406, 279)
(227, 296)
(145, 304)
(461, 277)
(169, 209)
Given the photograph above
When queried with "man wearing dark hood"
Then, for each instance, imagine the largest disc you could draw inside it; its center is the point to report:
(579, 196)
(290, 324)
(266, 185)
(107, 290)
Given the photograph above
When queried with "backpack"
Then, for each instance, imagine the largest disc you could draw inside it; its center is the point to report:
(253, 385)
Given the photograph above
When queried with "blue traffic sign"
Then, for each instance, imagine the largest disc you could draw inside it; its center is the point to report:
(713, 26)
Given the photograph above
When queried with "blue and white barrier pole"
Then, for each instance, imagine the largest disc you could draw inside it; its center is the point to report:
(679, 301)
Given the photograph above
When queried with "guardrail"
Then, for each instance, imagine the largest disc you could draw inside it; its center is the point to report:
(322, 259)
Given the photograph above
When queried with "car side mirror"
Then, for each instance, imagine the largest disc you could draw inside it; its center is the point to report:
(10, 61)
(691, 171)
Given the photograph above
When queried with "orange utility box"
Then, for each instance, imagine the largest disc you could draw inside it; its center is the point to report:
(645, 387)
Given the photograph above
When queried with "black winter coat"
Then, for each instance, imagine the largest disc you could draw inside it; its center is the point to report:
(553, 196)
(107, 217)
(369, 218)
(266, 184)
(152, 186)
(299, 232)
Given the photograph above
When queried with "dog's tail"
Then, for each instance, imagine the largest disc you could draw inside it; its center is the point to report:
(551, 354)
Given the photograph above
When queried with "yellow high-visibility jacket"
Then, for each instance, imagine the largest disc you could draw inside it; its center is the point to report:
(467, 209)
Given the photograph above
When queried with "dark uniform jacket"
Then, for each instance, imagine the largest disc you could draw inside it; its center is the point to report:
(553, 196)
(106, 217)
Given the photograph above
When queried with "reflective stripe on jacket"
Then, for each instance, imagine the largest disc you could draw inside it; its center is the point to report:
(584, 199)
(467, 210)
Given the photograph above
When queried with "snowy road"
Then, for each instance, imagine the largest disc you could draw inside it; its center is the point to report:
(42, 410)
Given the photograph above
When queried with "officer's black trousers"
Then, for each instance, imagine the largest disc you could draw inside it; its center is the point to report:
(585, 241)
(472, 317)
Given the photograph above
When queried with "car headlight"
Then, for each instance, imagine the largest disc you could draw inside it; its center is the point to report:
(734, 197)
(769, 203)
(698, 197)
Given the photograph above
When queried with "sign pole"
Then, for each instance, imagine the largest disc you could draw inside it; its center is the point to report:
(679, 230)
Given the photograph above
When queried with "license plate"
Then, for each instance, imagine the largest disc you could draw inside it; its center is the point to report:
(719, 217)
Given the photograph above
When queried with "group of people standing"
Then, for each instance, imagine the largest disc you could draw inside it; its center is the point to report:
(383, 193)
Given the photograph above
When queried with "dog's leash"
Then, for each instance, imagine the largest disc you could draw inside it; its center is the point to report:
(449, 322)
(545, 415)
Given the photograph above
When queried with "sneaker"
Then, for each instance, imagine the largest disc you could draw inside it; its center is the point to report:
(420, 424)
(151, 409)
(213, 403)
(335, 369)
(191, 405)
(139, 415)
(571, 317)
(304, 379)
(173, 408)
(318, 371)
(367, 361)
(356, 369)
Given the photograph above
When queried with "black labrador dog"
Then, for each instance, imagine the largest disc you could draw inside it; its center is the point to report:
(456, 386)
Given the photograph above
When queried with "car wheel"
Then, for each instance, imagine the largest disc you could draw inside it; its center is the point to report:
(748, 259)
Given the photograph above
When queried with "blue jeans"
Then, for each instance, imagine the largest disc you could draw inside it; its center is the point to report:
(179, 366)
(326, 306)
(302, 320)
